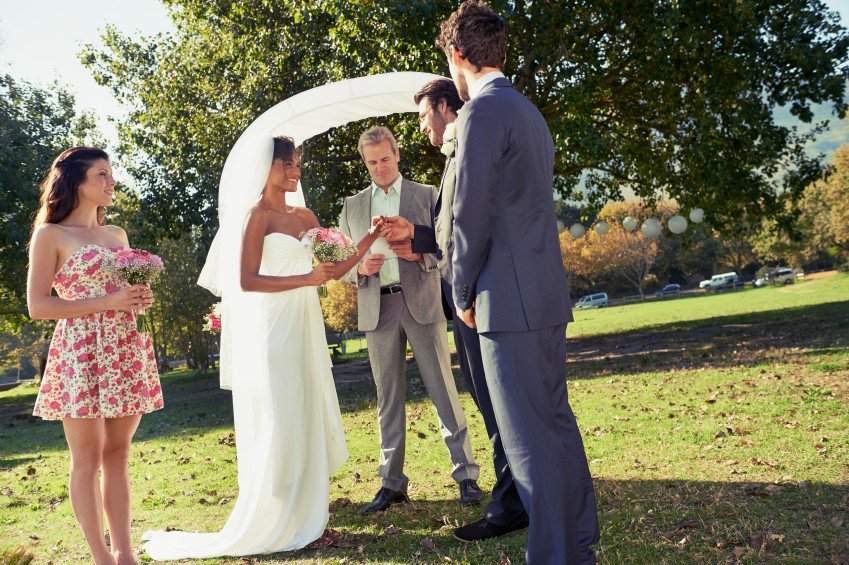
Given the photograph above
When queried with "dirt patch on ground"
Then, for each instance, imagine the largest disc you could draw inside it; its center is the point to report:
(819, 275)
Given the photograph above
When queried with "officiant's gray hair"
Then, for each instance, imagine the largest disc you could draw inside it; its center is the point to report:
(375, 135)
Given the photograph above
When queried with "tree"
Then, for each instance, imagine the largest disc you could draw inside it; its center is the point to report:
(820, 233)
(340, 307)
(181, 305)
(669, 99)
(633, 255)
(36, 124)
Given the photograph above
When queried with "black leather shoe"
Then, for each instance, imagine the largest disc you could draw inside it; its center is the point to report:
(384, 499)
(470, 493)
(481, 530)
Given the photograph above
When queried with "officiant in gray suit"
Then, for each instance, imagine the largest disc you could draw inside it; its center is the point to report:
(399, 301)
(509, 282)
(439, 103)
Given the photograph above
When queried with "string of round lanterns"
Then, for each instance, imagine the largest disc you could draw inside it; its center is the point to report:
(650, 227)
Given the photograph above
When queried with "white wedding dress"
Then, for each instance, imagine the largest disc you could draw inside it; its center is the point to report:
(289, 434)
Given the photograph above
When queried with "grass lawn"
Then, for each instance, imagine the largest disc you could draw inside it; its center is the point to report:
(717, 429)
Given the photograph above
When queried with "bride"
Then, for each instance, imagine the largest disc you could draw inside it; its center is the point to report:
(289, 433)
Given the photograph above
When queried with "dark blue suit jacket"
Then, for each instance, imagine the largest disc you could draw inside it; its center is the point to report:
(507, 256)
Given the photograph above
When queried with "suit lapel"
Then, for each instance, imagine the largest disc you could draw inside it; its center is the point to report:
(407, 197)
(364, 210)
(449, 164)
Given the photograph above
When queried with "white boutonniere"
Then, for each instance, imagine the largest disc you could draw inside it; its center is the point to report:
(449, 140)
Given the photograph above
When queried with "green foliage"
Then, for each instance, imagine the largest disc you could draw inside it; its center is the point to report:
(182, 305)
(36, 125)
(819, 235)
(670, 98)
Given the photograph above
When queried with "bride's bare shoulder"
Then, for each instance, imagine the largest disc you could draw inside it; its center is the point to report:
(307, 215)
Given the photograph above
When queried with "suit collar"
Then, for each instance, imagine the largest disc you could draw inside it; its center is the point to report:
(483, 82)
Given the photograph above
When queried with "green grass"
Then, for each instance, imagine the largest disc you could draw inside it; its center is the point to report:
(703, 309)
(717, 429)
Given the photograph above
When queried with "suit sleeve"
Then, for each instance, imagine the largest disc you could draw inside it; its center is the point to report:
(480, 145)
(424, 239)
(350, 276)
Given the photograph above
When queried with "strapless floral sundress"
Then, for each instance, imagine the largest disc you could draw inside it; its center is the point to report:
(98, 366)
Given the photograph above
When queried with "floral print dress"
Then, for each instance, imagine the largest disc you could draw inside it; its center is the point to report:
(98, 365)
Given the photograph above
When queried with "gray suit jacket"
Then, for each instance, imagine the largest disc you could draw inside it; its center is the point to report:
(421, 286)
(506, 251)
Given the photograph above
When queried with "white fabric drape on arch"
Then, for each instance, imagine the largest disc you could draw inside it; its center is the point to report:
(245, 351)
(301, 117)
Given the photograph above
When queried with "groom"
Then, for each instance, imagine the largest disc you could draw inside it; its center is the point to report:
(398, 301)
(509, 283)
(438, 106)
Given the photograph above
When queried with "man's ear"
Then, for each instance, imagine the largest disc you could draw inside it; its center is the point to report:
(456, 56)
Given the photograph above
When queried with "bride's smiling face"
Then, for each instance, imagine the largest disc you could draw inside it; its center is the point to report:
(285, 174)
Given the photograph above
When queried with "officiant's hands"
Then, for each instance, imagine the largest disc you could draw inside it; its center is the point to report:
(370, 264)
(396, 228)
(404, 250)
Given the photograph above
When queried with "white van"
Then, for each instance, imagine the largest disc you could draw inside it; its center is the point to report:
(592, 301)
(725, 280)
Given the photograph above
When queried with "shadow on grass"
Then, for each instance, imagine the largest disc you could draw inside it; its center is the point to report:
(642, 522)
(793, 334)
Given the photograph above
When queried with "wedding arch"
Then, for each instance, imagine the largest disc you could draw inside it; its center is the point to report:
(245, 172)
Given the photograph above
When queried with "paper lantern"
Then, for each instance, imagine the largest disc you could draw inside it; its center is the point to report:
(677, 224)
(577, 230)
(650, 228)
(601, 227)
(697, 215)
(629, 223)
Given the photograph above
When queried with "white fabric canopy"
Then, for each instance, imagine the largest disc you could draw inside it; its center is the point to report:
(245, 172)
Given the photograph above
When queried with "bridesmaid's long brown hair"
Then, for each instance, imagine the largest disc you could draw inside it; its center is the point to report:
(59, 190)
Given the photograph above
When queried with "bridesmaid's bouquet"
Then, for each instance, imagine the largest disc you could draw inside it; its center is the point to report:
(328, 245)
(137, 266)
(212, 322)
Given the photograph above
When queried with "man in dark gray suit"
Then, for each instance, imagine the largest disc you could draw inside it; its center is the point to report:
(398, 301)
(438, 106)
(510, 283)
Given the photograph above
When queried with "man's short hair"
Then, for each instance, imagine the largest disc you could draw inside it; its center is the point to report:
(478, 33)
(440, 89)
(375, 135)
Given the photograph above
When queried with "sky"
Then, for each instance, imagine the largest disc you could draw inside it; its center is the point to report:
(40, 41)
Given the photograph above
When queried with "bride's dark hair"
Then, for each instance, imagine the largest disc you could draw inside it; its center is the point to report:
(284, 148)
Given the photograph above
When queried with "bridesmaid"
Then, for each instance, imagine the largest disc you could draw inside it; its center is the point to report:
(101, 374)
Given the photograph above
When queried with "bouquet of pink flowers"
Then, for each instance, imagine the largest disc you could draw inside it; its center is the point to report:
(328, 245)
(212, 322)
(138, 267)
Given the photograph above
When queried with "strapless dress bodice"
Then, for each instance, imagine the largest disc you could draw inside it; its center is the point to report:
(283, 255)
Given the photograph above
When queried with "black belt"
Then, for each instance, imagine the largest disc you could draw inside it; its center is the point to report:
(391, 289)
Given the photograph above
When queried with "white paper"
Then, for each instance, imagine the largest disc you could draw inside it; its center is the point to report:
(382, 246)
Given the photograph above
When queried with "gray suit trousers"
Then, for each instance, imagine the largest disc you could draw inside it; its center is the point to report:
(387, 345)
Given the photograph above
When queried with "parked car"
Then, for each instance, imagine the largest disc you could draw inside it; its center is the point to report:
(597, 300)
(669, 289)
(725, 280)
(705, 284)
(782, 275)
(759, 283)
